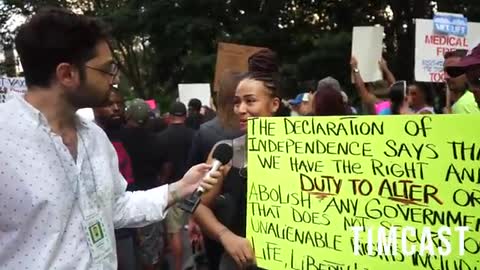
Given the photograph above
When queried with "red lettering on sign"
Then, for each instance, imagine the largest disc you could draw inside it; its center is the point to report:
(436, 77)
(441, 51)
(442, 40)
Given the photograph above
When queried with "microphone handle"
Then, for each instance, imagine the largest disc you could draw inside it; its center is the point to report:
(215, 166)
(191, 203)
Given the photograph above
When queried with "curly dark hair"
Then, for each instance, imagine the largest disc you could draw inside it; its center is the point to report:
(53, 36)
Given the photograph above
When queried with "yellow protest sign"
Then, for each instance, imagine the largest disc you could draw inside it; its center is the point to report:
(393, 192)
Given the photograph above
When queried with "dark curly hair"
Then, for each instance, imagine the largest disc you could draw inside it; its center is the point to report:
(53, 36)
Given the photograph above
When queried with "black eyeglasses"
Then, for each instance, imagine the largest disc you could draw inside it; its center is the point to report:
(112, 72)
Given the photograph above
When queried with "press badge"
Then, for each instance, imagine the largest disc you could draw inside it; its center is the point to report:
(94, 226)
(97, 236)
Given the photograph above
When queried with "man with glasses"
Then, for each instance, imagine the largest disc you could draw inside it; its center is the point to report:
(463, 100)
(62, 193)
(470, 65)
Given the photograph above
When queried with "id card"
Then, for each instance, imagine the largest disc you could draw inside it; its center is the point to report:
(97, 237)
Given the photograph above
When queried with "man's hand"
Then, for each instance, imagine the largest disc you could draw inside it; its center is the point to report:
(196, 177)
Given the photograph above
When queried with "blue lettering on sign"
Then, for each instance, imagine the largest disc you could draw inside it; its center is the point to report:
(432, 65)
(456, 25)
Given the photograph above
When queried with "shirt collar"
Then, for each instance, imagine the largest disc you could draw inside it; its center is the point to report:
(35, 116)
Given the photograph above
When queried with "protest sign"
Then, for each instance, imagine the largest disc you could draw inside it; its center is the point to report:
(367, 43)
(10, 85)
(431, 44)
(394, 192)
(200, 91)
(232, 57)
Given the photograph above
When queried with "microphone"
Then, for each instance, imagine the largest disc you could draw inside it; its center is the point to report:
(221, 155)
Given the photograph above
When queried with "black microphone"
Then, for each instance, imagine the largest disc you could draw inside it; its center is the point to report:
(221, 155)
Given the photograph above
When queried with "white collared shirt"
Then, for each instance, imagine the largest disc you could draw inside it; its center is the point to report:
(40, 215)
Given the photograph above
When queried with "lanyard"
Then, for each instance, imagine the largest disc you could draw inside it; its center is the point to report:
(85, 204)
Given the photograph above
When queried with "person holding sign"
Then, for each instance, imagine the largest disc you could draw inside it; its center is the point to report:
(402, 99)
(222, 213)
(62, 191)
(374, 104)
(470, 65)
(462, 99)
(420, 98)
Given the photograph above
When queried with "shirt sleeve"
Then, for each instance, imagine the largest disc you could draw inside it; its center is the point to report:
(137, 208)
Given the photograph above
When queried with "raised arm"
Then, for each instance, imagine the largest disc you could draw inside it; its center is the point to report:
(367, 97)
(387, 74)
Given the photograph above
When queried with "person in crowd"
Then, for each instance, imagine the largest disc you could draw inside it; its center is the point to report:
(456, 79)
(332, 83)
(398, 99)
(175, 142)
(223, 127)
(157, 124)
(207, 113)
(68, 65)
(194, 118)
(147, 156)
(420, 98)
(302, 104)
(329, 101)
(375, 104)
(222, 213)
(470, 65)
(111, 118)
(329, 82)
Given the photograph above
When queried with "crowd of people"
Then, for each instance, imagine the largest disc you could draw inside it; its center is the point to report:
(154, 153)
(216, 224)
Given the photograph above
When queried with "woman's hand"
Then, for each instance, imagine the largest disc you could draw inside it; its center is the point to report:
(353, 63)
(238, 248)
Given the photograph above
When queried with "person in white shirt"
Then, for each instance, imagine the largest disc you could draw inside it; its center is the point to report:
(62, 194)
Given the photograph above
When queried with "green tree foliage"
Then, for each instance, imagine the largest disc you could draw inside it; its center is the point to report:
(161, 43)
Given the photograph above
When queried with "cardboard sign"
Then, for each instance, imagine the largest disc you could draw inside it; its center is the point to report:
(394, 192)
(232, 57)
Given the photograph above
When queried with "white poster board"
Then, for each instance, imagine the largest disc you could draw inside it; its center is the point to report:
(430, 47)
(367, 44)
(200, 91)
(10, 85)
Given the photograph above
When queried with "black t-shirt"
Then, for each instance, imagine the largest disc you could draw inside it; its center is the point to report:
(146, 156)
(194, 121)
(175, 143)
(206, 137)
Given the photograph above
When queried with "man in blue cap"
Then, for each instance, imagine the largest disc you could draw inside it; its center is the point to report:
(301, 104)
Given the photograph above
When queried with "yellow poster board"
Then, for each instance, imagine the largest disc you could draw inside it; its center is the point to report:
(401, 182)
